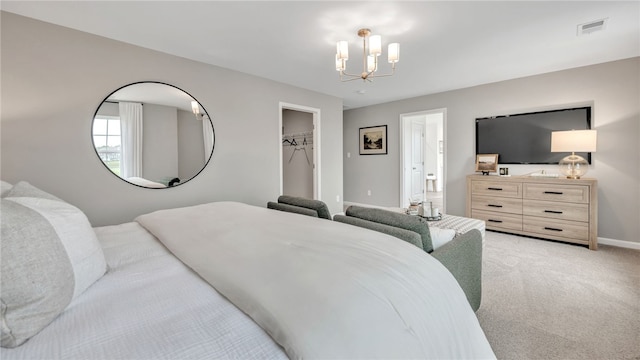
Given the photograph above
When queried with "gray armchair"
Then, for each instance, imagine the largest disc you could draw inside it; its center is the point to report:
(462, 256)
(299, 205)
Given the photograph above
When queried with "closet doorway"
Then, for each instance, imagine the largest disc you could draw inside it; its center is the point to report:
(299, 151)
(423, 155)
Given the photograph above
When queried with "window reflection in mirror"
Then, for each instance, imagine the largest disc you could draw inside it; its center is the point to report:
(153, 135)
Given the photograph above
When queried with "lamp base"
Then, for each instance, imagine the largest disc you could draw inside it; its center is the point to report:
(573, 166)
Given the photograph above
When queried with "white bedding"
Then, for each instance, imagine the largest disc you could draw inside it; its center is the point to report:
(148, 306)
(324, 289)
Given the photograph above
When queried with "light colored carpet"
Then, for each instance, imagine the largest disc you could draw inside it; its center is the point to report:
(549, 300)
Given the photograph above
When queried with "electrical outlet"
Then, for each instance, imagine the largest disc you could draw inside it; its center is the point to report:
(337, 198)
(348, 155)
(368, 192)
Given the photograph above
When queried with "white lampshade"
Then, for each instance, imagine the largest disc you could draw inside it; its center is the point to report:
(393, 53)
(342, 50)
(573, 141)
(375, 45)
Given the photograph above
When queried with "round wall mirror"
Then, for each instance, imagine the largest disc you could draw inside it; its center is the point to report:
(153, 135)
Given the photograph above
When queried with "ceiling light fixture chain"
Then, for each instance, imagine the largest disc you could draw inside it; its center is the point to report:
(371, 49)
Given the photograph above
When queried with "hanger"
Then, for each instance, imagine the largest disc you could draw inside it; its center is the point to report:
(305, 154)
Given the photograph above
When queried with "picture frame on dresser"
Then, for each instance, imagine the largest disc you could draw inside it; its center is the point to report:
(486, 163)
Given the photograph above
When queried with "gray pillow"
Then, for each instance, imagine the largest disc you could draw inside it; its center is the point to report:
(49, 256)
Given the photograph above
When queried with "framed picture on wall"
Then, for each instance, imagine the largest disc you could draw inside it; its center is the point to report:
(486, 163)
(373, 140)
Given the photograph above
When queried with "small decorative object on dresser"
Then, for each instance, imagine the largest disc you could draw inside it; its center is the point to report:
(548, 208)
(486, 163)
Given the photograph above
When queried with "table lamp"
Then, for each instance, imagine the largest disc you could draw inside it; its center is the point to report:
(573, 166)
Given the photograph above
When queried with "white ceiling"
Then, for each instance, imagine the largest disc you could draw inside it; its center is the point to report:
(444, 45)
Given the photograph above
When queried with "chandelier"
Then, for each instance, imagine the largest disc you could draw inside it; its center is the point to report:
(371, 45)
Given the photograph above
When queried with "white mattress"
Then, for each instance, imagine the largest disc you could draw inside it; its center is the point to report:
(148, 306)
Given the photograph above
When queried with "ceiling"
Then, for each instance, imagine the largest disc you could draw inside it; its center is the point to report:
(444, 45)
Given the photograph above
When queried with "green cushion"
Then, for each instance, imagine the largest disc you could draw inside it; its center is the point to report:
(406, 235)
(292, 209)
(317, 205)
(395, 219)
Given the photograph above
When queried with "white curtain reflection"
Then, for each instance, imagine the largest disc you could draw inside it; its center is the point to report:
(207, 130)
(131, 127)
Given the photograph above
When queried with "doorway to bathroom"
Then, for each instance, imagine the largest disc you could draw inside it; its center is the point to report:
(423, 157)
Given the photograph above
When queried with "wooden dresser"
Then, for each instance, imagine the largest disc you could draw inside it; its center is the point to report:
(549, 208)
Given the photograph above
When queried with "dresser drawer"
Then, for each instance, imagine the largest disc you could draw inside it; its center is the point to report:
(498, 221)
(555, 192)
(506, 189)
(556, 210)
(498, 204)
(571, 230)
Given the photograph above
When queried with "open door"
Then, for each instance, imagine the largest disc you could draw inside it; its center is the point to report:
(299, 134)
(422, 157)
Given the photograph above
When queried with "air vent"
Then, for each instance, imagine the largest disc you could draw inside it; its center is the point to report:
(592, 26)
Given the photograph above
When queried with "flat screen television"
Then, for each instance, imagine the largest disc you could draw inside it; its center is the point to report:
(526, 138)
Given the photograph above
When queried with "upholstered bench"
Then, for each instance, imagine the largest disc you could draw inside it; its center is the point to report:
(459, 224)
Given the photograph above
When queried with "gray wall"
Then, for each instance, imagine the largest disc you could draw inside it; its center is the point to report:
(613, 89)
(54, 78)
(191, 157)
(160, 142)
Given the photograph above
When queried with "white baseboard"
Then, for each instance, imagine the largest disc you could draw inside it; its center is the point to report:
(619, 243)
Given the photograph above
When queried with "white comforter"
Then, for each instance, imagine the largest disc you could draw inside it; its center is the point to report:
(148, 306)
(323, 289)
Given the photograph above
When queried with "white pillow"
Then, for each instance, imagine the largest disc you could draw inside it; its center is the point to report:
(50, 255)
(4, 187)
(440, 236)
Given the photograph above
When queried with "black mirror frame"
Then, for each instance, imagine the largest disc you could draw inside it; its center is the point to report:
(206, 115)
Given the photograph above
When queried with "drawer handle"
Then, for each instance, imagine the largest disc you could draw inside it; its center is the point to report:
(495, 221)
(554, 192)
(553, 212)
(552, 229)
(495, 206)
(494, 188)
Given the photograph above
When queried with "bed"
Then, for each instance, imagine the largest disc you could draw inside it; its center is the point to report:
(230, 280)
